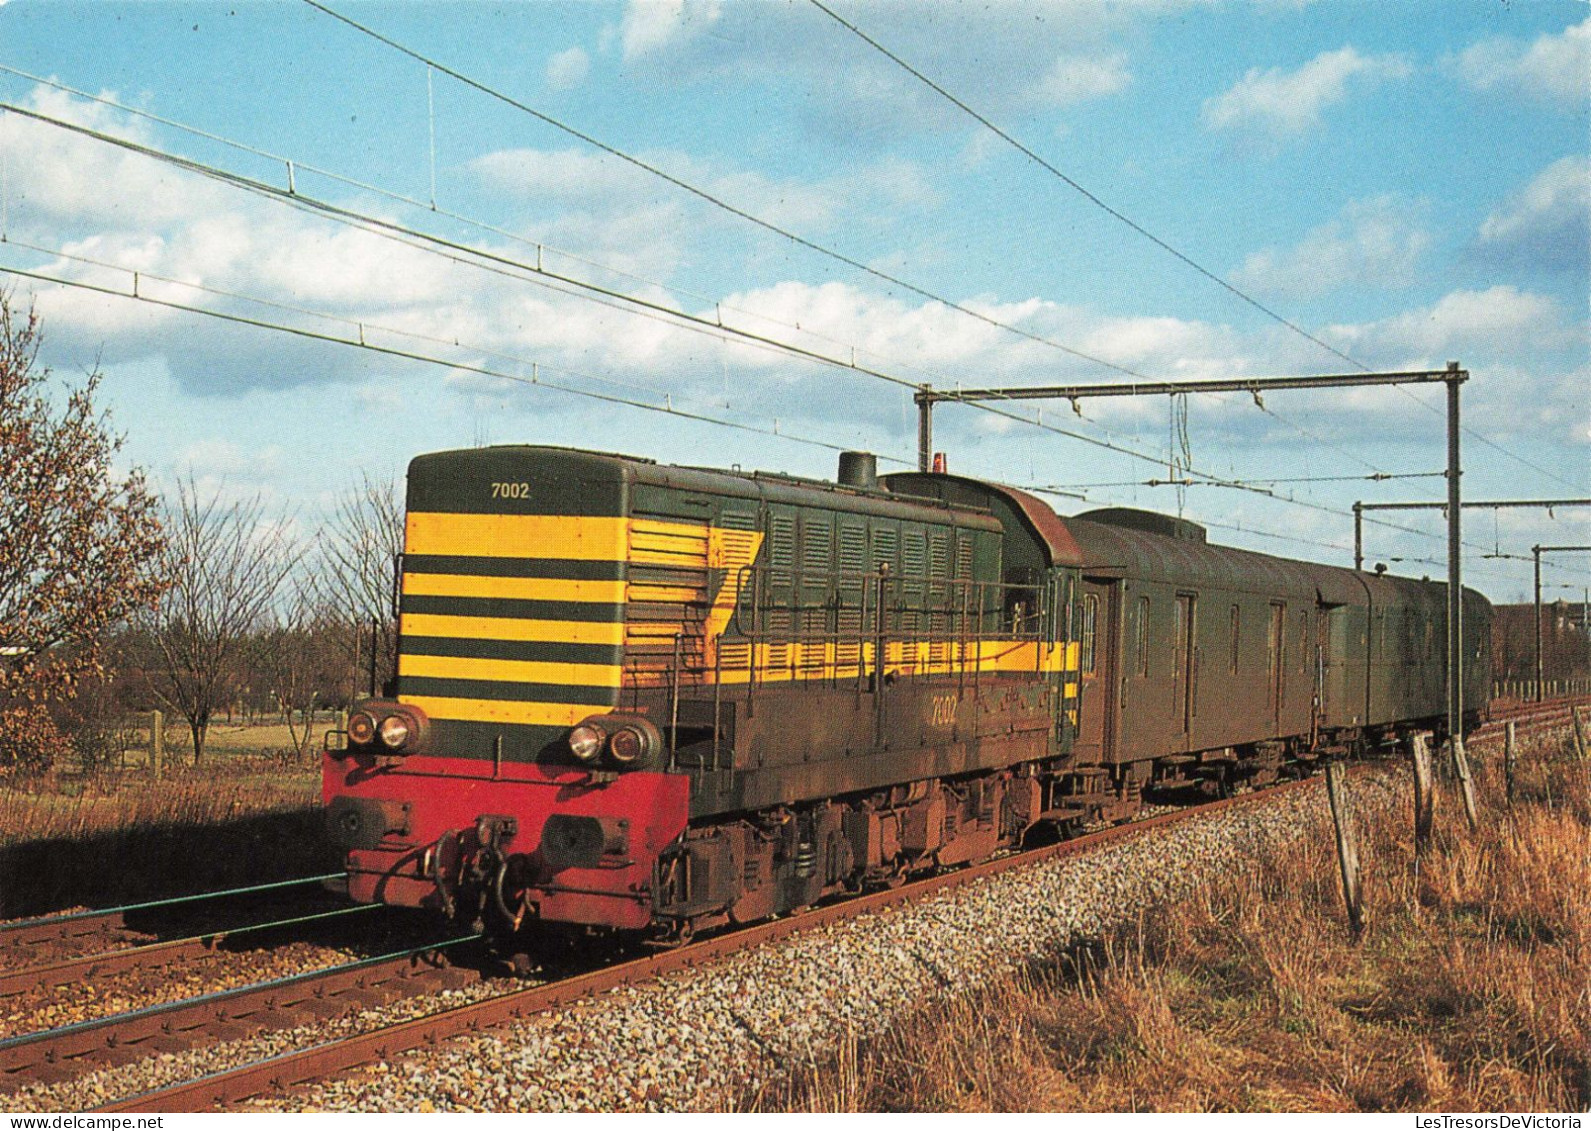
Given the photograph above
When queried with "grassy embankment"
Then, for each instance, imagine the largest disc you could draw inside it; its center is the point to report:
(1470, 989)
(244, 815)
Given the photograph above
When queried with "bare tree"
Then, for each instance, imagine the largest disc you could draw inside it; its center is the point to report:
(80, 548)
(301, 661)
(363, 540)
(227, 563)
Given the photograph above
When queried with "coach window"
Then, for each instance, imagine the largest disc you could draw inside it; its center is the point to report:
(1086, 636)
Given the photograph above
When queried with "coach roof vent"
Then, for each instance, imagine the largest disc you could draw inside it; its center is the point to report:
(859, 469)
(1131, 518)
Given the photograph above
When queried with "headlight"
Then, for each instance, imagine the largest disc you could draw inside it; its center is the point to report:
(585, 741)
(629, 745)
(361, 728)
(394, 731)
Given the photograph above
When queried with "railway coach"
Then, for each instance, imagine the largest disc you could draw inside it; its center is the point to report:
(659, 698)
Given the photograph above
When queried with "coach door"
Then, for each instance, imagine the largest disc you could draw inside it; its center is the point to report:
(1185, 667)
(1276, 663)
(1095, 633)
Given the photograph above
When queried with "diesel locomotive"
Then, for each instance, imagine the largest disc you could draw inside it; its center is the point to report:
(660, 698)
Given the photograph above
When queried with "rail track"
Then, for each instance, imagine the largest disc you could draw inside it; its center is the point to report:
(58, 1053)
(1533, 717)
(346, 1053)
(105, 929)
(51, 1055)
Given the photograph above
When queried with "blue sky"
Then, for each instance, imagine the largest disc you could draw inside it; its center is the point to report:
(1407, 182)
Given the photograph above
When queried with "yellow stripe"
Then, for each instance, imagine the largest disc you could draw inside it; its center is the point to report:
(512, 588)
(576, 537)
(508, 628)
(902, 657)
(503, 711)
(511, 671)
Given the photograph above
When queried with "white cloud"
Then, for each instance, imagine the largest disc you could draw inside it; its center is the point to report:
(1555, 68)
(1074, 78)
(568, 69)
(1283, 103)
(851, 91)
(1547, 223)
(1374, 243)
(652, 25)
(1469, 324)
(593, 181)
(601, 208)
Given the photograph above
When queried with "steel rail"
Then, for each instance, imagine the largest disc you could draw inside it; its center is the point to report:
(169, 1026)
(163, 953)
(343, 1054)
(80, 924)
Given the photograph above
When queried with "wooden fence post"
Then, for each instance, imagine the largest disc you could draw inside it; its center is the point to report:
(1579, 733)
(1424, 795)
(1347, 845)
(1466, 786)
(157, 743)
(1509, 754)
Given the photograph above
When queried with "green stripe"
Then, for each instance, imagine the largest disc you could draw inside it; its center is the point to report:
(514, 692)
(514, 567)
(593, 612)
(511, 650)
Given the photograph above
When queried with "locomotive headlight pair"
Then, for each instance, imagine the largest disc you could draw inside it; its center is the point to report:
(629, 742)
(363, 730)
(389, 727)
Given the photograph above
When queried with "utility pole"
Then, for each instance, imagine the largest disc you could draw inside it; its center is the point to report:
(1455, 586)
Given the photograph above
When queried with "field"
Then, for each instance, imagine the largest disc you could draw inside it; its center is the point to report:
(247, 812)
(1470, 989)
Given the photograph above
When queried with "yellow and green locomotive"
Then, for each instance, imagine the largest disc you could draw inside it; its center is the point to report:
(653, 697)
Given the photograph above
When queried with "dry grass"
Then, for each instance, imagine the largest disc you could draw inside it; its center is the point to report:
(243, 816)
(242, 775)
(1470, 990)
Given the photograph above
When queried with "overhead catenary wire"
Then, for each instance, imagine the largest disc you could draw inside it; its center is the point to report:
(363, 343)
(299, 200)
(712, 198)
(494, 261)
(1088, 195)
(540, 246)
(1164, 245)
(363, 326)
(1490, 443)
(1377, 477)
(667, 408)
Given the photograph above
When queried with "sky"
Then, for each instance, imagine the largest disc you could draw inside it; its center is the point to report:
(508, 204)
